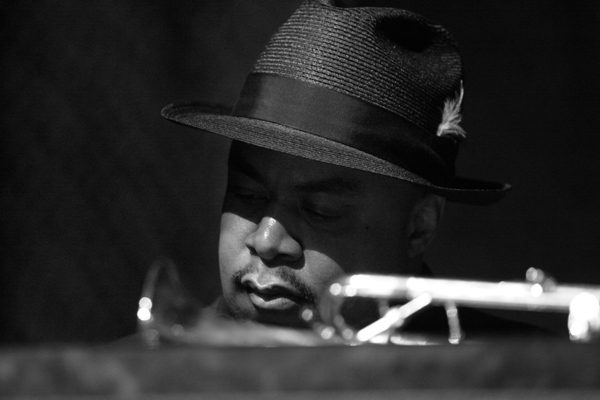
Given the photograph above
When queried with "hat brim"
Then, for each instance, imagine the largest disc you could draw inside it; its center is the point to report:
(292, 141)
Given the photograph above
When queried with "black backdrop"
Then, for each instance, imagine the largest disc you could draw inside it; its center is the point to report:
(95, 185)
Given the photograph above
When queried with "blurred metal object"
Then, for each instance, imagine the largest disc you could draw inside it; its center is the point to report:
(539, 293)
(165, 309)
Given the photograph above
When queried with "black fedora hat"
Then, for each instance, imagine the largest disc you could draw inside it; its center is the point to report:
(376, 89)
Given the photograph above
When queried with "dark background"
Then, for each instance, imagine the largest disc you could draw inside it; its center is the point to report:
(95, 185)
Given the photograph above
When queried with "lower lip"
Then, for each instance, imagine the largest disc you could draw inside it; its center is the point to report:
(272, 303)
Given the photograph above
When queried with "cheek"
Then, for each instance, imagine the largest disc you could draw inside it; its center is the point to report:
(374, 248)
(319, 270)
(328, 258)
(232, 247)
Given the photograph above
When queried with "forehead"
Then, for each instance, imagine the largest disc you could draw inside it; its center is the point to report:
(284, 170)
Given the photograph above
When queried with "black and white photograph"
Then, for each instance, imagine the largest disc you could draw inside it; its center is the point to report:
(288, 198)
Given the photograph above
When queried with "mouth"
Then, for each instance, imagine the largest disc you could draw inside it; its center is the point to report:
(273, 297)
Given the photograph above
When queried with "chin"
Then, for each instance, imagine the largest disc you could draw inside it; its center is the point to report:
(288, 319)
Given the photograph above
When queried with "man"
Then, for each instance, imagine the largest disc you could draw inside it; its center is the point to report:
(344, 141)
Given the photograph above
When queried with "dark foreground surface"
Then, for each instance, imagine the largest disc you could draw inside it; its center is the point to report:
(496, 370)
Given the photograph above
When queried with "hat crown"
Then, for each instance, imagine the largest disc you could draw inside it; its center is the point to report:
(388, 57)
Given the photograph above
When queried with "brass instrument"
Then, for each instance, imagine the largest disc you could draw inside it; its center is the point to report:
(538, 293)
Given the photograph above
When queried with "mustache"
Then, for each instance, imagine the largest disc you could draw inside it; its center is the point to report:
(286, 275)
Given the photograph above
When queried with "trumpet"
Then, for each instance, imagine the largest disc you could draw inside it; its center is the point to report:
(538, 293)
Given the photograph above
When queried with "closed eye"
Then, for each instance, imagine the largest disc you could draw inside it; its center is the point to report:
(248, 194)
(322, 213)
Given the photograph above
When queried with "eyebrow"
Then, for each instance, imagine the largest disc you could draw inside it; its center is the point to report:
(335, 185)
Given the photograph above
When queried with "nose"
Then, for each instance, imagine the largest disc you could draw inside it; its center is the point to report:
(272, 241)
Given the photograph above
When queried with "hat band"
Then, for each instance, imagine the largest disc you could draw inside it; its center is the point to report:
(346, 120)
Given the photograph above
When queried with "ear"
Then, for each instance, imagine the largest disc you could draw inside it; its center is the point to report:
(425, 218)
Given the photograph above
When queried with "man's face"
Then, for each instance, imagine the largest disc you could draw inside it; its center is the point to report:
(290, 225)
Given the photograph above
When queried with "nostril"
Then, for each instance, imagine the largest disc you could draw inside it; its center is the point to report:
(253, 251)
